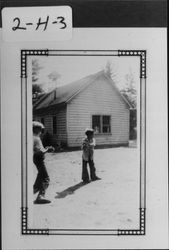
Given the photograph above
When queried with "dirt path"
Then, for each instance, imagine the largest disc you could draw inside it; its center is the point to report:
(112, 202)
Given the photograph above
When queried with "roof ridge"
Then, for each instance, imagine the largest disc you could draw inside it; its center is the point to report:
(93, 74)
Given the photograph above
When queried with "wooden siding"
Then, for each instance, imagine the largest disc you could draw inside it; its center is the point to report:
(99, 98)
(61, 135)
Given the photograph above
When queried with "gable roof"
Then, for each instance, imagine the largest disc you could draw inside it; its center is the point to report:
(65, 93)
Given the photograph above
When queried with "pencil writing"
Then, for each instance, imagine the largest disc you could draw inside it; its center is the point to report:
(41, 24)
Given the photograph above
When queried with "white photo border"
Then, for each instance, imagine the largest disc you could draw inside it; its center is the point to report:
(25, 230)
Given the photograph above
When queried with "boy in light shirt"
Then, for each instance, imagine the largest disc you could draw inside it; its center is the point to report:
(88, 145)
(42, 179)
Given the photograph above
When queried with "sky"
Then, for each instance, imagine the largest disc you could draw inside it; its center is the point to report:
(71, 68)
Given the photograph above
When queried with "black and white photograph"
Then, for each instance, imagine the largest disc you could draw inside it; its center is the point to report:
(86, 137)
(84, 147)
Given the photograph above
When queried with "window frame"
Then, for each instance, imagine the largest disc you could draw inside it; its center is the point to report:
(107, 125)
(101, 124)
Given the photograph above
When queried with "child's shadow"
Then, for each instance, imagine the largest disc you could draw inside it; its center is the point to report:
(69, 190)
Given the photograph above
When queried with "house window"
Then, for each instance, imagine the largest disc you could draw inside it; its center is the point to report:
(101, 124)
(54, 125)
(96, 124)
(106, 123)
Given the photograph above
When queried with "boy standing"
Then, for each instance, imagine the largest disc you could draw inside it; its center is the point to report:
(87, 157)
(42, 179)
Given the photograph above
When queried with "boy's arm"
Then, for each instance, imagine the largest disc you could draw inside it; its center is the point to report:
(50, 149)
(84, 144)
(93, 143)
(41, 147)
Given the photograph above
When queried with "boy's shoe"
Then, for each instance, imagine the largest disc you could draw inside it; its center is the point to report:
(96, 178)
(41, 200)
(86, 181)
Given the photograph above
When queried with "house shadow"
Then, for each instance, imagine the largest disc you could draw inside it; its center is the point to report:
(70, 190)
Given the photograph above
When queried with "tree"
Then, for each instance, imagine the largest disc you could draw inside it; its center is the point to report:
(54, 76)
(110, 70)
(129, 91)
(36, 67)
(36, 88)
(53, 80)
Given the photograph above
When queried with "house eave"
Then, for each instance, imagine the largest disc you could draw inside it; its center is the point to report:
(50, 109)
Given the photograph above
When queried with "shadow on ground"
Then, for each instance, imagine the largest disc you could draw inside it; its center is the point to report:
(69, 190)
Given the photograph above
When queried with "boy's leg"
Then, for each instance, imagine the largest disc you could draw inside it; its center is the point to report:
(44, 177)
(44, 185)
(93, 171)
(42, 180)
(85, 175)
(38, 182)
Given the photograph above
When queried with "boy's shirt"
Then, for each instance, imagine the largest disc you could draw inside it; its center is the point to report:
(88, 149)
(37, 145)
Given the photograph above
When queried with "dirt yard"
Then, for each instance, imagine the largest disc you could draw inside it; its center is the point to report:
(109, 203)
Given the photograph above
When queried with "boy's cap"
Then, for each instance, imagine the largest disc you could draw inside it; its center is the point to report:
(38, 125)
(89, 130)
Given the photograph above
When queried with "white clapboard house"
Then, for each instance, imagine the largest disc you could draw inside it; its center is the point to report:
(93, 101)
